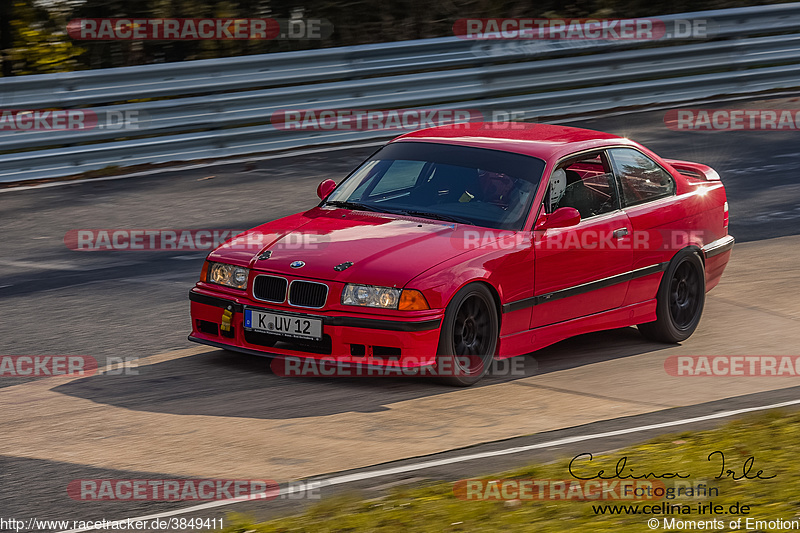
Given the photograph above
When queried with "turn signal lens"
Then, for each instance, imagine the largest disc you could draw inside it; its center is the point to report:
(204, 272)
(411, 300)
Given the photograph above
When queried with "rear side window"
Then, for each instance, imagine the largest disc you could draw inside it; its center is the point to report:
(640, 178)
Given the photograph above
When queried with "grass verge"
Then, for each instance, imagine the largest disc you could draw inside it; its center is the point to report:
(773, 439)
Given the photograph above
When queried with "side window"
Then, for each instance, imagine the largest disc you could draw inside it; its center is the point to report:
(640, 178)
(586, 184)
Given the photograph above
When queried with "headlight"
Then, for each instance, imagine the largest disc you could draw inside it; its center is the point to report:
(228, 275)
(371, 296)
(384, 297)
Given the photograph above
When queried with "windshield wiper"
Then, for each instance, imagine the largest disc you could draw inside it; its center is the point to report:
(352, 205)
(424, 214)
(436, 216)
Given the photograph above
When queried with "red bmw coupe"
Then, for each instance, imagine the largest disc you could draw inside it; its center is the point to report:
(454, 246)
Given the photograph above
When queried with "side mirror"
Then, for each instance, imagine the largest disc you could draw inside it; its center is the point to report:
(325, 188)
(563, 217)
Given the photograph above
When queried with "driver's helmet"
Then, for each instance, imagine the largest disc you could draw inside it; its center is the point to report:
(495, 187)
(558, 184)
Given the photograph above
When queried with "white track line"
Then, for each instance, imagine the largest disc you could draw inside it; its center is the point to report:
(349, 478)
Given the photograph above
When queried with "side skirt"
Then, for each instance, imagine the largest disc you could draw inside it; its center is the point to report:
(536, 339)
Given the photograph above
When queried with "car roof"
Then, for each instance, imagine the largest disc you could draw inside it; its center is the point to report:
(545, 141)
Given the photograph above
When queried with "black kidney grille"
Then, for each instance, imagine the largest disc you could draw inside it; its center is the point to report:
(307, 294)
(270, 288)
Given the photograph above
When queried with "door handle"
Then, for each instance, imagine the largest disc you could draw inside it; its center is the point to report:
(620, 233)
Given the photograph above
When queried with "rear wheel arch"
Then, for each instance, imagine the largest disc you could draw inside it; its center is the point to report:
(695, 248)
(692, 247)
(680, 298)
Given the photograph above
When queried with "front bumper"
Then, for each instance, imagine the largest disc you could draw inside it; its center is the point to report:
(347, 338)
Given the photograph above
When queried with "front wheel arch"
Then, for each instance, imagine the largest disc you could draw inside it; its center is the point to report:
(495, 296)
(471, 329)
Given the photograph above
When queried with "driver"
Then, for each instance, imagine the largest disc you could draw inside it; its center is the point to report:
(496, 187)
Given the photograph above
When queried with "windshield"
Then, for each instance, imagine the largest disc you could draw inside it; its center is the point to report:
(462, 184)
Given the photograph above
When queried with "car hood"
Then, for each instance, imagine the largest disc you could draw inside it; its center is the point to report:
(388, 250)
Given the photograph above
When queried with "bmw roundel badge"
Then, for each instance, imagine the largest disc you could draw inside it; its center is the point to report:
(297, 264)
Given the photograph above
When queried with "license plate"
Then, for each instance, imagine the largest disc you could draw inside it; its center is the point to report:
(299, 327)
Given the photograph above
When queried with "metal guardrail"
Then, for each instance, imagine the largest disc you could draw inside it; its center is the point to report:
(221, 108)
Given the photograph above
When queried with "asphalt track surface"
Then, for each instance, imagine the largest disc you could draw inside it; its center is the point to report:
(194, 411)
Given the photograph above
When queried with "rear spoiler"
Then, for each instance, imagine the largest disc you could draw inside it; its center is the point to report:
(694, 171)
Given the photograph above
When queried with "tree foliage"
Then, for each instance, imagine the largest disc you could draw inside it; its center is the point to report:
(34, 39)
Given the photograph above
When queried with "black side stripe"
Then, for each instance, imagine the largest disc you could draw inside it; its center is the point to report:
(584, 288)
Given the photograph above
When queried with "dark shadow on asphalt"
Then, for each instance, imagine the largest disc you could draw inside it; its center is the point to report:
(222, 383)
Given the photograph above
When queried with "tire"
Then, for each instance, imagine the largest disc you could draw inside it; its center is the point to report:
(468, 339)
(680, 300)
